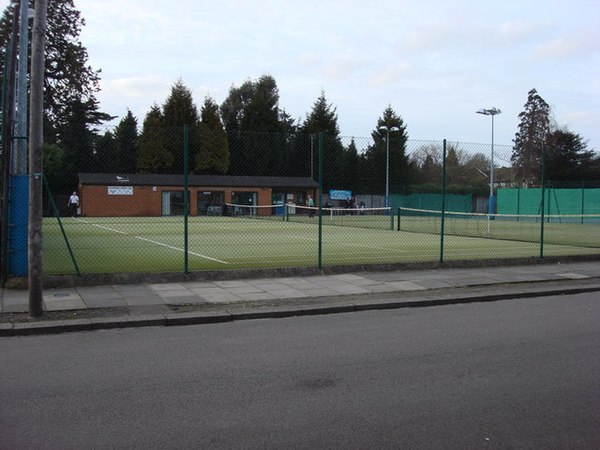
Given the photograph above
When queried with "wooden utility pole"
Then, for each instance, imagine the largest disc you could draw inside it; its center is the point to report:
(36, 143)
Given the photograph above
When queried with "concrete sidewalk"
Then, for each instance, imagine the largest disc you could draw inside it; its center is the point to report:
(117, 306)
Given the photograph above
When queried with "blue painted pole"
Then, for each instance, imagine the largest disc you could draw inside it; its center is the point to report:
(18, 220)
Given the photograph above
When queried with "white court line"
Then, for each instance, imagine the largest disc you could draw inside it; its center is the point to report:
(154, 242)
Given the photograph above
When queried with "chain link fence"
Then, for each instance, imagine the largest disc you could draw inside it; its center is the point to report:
(189, 199)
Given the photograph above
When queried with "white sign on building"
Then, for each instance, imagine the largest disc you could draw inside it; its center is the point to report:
(120, 190)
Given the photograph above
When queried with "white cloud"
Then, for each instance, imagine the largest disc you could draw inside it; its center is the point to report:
(137, 87)
(570, 46)
(435, 62)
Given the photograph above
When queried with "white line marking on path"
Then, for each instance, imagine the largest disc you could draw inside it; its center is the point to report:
(154, 242)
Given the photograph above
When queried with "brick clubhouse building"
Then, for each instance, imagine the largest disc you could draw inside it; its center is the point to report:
(111, 195)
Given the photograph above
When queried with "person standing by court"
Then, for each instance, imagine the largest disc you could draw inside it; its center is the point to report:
(73, 204)
(311, 205)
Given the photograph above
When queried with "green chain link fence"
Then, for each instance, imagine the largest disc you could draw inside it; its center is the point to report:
(187, 199)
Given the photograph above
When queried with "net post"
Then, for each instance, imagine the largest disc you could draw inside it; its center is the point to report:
(398, 225)
(582, 200)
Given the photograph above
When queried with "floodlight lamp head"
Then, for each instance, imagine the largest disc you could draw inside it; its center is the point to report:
(388, 129)
(489, 111)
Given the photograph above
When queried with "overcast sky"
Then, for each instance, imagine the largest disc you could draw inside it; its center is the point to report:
(434, 61)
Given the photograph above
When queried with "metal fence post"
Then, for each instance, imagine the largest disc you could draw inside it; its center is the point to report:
(443, 202)
(186, 198)
(320, 237)
(543, 200)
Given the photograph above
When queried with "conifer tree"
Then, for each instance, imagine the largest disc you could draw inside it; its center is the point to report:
(376, 155)
(126, 144)
(323, 118)
(179, 110)
(534, 125)
(153, 155)
(213, 155)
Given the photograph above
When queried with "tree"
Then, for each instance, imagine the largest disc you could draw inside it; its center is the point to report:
(68, 77)
(533, 127)
(426, 163)
(477, 173)
(54, 167)
(232, 109)
(254, 125)
(261, 112)
(126, 144)
(153, 155)
(323, 118)
(567, 157)
(352, 169)
(213, 156)
(77, 135)
(106, 154)
(453, 166)
(179, 110)
(377, 154)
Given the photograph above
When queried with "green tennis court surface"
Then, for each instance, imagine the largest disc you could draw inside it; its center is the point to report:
(114, 245)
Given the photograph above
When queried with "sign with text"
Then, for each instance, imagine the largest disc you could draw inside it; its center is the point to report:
(335, 194)
(120, 190)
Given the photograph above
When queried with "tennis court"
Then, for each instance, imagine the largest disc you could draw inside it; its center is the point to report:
(158, 244)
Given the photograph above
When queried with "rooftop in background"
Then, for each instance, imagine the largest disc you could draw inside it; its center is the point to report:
(195, 180)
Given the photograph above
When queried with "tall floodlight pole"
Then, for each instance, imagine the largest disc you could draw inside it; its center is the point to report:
(20, 154)
(19, 180)
(492, 201)
(387, 130)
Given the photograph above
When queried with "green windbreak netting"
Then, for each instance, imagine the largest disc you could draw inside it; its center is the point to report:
(454, 202)
(556, 201)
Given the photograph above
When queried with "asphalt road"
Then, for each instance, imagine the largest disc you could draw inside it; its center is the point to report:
(510, 374)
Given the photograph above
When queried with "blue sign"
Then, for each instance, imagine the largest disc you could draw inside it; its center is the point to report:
(335, 194)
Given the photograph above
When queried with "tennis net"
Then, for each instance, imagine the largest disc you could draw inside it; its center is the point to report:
(572, 229)
(377, 218)
(270, 212)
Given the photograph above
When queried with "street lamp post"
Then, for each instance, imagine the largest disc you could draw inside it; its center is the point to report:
(388, 130)
(492, 201)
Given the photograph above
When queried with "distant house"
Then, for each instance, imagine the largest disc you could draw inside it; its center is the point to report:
(114, 195)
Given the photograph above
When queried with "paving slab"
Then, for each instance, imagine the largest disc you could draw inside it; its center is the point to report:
(256, 296)
(168, 287)
(232, 284)
(406, 286)
(97, 292)
(176, 293)
(146, 300)
(184, 300)
(108, 302)
(62, 300)
(220, 298)
(349, 289)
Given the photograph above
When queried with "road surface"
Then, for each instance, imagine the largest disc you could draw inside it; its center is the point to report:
(510, 374)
